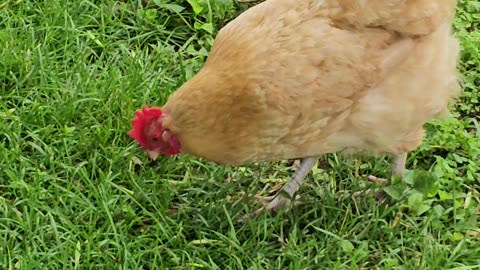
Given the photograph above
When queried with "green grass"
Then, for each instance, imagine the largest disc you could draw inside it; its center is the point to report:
(77, 193)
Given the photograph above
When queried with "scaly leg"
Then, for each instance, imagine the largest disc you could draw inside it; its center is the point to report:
(398, 168)
(289, 190)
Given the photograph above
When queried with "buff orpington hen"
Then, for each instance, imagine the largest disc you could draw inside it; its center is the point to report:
(292, 79)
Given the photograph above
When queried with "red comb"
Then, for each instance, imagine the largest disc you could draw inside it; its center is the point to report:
(144, 117)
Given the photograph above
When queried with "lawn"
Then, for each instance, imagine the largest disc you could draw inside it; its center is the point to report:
(77, 193)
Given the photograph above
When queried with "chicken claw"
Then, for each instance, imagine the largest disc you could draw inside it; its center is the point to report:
(275, 202)
(284, 196)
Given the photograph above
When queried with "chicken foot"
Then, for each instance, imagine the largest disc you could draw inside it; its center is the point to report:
(398, 168)
(285, 195)
(289, 190)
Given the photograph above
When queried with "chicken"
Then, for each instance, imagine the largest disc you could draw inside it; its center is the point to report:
(294, 79)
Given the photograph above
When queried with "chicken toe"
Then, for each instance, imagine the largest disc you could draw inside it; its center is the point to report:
(285, 195)
(275, 202)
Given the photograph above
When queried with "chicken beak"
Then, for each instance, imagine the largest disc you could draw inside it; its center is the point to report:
(153, 155)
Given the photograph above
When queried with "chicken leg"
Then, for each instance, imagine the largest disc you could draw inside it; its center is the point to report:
(287, 193)
(289, 190)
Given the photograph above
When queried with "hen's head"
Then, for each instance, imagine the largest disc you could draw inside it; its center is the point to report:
(149, 132)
